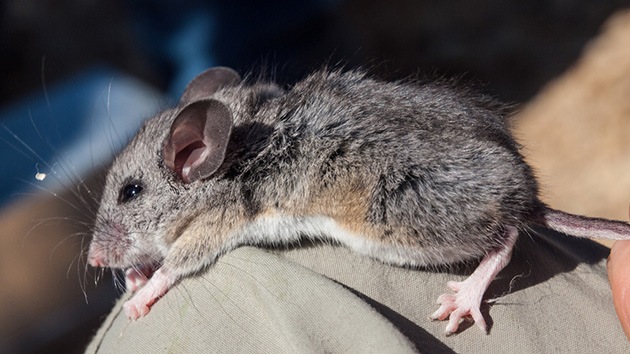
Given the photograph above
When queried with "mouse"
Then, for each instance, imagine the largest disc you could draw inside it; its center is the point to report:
(411, 174)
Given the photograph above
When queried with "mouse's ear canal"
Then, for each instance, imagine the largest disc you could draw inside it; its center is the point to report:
(207, 83)
(198, 139)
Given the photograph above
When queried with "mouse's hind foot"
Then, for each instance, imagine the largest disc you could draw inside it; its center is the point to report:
(466, 300)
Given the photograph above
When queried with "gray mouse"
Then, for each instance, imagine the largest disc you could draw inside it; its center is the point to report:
(409, 174)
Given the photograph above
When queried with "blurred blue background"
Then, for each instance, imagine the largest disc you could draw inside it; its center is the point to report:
(79, 77)
(83, 109)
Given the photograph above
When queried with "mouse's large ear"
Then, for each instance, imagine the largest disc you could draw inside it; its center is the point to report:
(207, 83)
(196, 144)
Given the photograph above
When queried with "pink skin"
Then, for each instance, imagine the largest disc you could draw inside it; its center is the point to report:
(96, 261)
(468, 293)
(140, 304)
(619, 275)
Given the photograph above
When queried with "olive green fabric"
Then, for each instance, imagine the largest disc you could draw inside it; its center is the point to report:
(553, 297)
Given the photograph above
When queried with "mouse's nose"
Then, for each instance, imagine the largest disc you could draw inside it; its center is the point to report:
(96, 262)
(96, 259)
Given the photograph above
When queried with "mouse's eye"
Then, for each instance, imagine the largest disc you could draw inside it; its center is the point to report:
(129, 192)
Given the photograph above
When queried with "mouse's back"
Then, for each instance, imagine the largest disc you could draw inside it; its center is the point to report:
(437, 165)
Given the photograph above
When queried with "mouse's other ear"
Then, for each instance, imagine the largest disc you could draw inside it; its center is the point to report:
(207, 83)
(198, 138)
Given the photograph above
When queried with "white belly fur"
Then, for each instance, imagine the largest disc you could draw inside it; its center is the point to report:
(272, 230)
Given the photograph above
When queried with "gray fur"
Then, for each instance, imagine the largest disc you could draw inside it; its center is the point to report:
(436, 166)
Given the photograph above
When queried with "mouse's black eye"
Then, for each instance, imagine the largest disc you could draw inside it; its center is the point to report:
(129, 192)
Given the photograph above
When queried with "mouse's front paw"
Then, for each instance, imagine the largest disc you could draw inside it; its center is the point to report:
(135, 310)
(465, 302)
(140, 304)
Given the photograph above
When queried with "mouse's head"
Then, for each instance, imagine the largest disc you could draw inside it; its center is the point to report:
(150, 185)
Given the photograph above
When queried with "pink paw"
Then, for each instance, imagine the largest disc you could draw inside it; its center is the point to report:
(135, 310)
(140, 304)
(469, 293)
(465, 302)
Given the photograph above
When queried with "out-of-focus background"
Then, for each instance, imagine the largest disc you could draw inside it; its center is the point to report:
(78, 77)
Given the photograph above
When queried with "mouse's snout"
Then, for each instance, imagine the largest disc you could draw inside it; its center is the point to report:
(96, 262)
(96, 258)
(110, 245)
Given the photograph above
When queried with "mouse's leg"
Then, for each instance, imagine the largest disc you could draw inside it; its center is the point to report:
(198, 246)
(469, 293)
(162, 280)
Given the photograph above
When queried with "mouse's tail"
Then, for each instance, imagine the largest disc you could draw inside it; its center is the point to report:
(582, 226)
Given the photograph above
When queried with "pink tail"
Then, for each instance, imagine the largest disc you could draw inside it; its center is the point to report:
(582, 226)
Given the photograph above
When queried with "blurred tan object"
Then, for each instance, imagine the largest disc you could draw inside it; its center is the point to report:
(576, 132)
(37, 268)
(43, 274)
